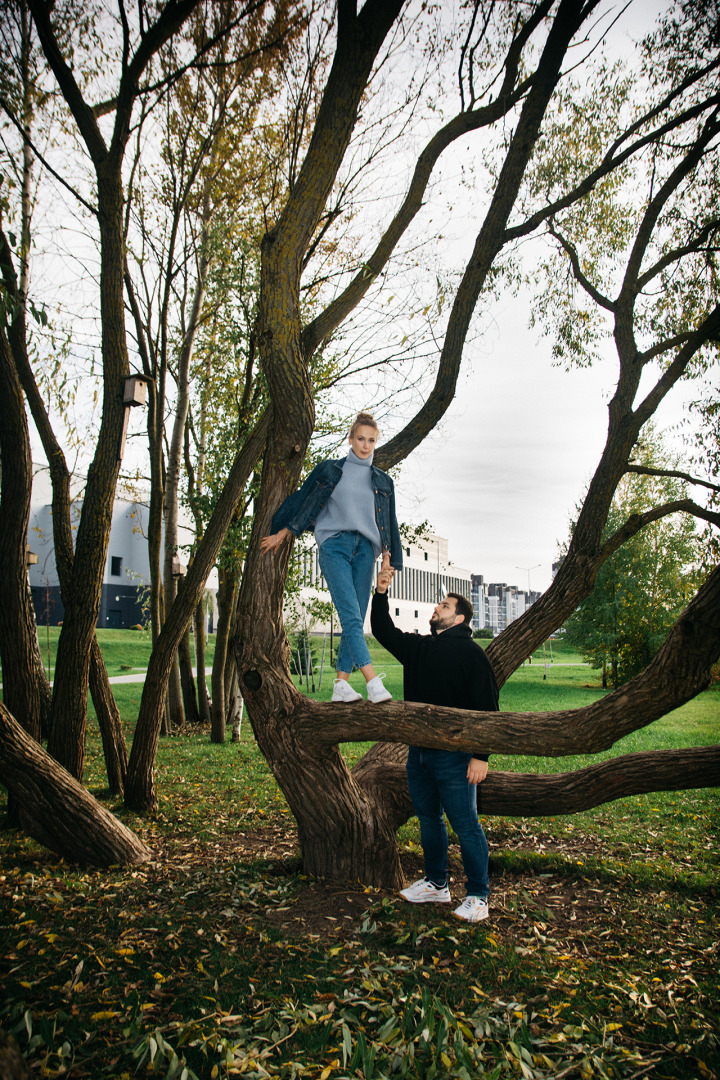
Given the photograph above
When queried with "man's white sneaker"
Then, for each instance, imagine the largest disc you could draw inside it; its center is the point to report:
(376, 691)
(343, 691)
(473, 909)
(424, 892)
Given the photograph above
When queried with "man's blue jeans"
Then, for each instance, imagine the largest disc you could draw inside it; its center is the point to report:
(437, 780)
(347, 561)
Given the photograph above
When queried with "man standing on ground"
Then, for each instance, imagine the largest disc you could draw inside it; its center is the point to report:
(444, 667)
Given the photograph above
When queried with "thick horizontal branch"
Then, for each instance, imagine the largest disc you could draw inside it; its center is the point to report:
(545, 734)
(510, 794)
(679, 671)
(528, 794)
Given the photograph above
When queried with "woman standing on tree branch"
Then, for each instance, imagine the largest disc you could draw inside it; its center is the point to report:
(350, 504)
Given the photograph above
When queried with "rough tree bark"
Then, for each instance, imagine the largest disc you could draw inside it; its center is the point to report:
(545, 794)
(57, 810)
(25, 686)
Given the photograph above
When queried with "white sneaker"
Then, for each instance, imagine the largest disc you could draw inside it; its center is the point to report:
(424, 892)
(343, 691)
(376, 692)
(473, 909)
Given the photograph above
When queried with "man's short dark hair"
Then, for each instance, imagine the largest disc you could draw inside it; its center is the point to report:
(462, 606)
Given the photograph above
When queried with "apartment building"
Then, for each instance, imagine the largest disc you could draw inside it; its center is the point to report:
(497, 604)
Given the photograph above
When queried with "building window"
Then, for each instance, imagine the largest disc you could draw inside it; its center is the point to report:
(116, 565)
(407, 551)
(426, 556)
(397, 610)
(416, 614)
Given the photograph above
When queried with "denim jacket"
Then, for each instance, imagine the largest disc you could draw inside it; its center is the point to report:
(301, 509)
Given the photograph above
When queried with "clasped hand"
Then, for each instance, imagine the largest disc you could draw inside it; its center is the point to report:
(385, 574)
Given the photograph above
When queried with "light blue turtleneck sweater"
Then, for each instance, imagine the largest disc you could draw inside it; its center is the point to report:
(351, 507)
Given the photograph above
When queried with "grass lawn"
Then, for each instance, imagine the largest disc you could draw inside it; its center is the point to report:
(220, 958)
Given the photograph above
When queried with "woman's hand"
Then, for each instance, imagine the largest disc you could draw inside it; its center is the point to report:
(477, 770)
(385, 574)
(269, 543)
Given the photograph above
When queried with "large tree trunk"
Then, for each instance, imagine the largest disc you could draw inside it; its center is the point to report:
(25, 686)
(57, 810)
(82, 606)
(343, 834)
(67, 734)
(105, 706)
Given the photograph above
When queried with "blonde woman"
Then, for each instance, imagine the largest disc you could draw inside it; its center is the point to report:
(350, 505)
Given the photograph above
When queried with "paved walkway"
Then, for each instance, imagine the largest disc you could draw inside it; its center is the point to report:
(140, 676)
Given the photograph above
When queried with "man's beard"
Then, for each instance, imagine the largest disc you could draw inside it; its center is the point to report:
(440, 624)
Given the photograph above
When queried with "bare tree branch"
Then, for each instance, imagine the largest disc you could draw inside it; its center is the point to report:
(43, 160)
(323, 326)
(580, 277)
(642, 470)
(610, 162)
(492, 235)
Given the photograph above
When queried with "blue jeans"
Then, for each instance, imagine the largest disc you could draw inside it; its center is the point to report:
(438, 781)
(347, 561)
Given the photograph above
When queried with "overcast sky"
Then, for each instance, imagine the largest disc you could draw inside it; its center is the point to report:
(514, 455)
(515, 452)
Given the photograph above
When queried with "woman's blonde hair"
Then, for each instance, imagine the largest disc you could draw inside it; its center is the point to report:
(363, 419)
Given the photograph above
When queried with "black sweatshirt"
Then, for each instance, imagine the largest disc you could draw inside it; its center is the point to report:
(438, 669)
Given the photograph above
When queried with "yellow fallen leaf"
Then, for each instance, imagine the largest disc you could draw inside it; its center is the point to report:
(107, 1015)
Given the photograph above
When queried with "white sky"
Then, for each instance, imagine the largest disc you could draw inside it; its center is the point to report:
(514, 455)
